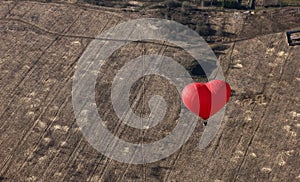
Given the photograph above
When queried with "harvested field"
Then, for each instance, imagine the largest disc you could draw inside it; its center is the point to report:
(40, 140)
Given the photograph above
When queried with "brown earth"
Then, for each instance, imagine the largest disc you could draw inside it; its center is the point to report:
(40, 140)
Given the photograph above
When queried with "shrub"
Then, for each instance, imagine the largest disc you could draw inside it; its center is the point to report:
(172, 4)
(203, 30)
(185, 7)
(231, 4)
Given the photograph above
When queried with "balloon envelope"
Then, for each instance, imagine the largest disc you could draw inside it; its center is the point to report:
(206, 99)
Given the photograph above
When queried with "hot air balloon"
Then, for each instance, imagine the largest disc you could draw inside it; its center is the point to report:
(206, 99)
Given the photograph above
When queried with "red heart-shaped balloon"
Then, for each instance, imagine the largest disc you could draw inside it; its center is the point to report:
(206, 99)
